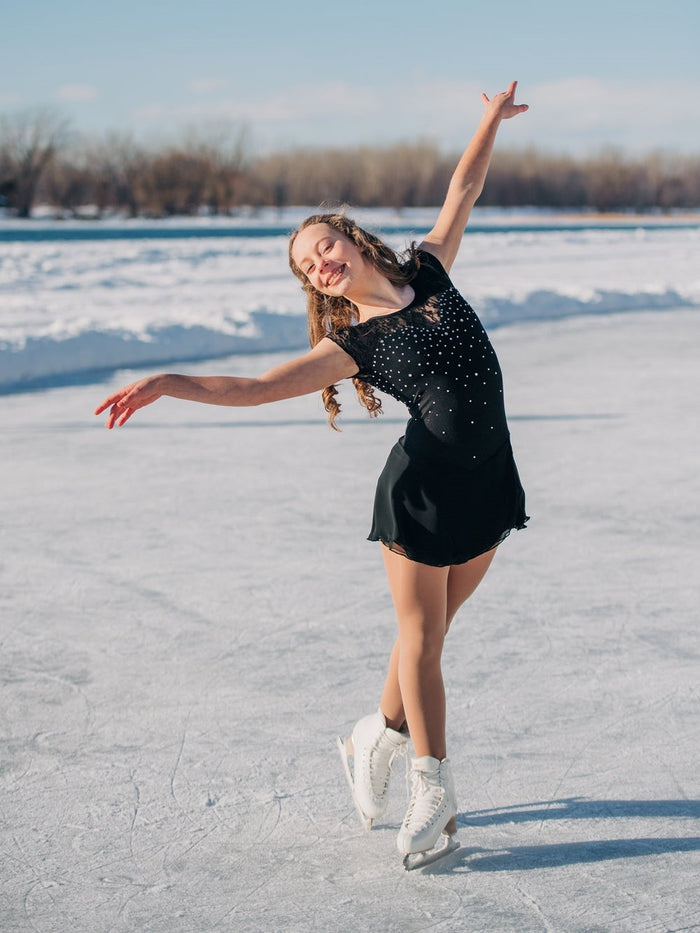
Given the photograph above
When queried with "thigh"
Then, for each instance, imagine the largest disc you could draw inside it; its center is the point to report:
(419, 591)
(463, 579)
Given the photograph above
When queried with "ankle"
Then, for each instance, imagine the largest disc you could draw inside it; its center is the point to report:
(421, 750)
(397, 723)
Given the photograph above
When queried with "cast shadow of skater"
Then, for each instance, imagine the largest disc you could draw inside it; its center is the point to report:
(530, 857)
(581, 808)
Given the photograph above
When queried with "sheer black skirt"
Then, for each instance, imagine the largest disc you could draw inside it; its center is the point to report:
(441, 513)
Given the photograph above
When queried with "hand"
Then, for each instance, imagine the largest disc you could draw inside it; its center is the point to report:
(503, 105)
(129, 399)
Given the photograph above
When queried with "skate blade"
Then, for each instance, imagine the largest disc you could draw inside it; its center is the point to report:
(420, 859)
(345, 748)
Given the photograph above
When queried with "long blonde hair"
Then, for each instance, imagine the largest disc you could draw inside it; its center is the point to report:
(327, 314)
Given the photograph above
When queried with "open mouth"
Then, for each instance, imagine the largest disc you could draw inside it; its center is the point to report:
(335, 276)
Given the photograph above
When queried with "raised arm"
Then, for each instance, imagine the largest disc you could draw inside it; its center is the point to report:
(468, 178)
(325, 365)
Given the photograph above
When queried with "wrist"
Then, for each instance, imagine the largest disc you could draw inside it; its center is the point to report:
(164, 384)
(492, 118)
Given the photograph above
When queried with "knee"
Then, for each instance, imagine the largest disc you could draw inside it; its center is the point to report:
(422, 645)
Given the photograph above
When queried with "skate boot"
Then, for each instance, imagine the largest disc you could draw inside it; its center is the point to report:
(373, 747)
(431, 813)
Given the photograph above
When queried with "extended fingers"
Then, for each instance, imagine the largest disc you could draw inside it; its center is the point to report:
(519, 108)
(505, 102)
(119, 415)
(116, 398)
(112, 417)
(508, 96)
(117, 403)
(125, 416)
(110, 400)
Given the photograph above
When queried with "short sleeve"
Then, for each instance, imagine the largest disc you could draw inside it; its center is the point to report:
(351, 340)
(432, 272)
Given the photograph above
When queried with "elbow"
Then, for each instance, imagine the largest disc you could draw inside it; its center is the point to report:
(258, 393)
(471, 192)
(262, 392)
(238, 392)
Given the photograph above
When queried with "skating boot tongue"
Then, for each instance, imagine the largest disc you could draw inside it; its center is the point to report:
(427, 792)
(425, 764)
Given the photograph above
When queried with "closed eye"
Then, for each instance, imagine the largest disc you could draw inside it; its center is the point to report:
(322, 248)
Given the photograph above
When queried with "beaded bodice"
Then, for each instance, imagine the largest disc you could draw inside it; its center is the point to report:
(436, 358)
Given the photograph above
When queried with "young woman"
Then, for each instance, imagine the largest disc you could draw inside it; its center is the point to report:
(449, 493)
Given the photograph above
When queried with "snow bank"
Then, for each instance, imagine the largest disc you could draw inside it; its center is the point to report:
(74, 306)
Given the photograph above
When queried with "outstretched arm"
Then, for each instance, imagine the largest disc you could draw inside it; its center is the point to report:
(468, 179)
(321, 367)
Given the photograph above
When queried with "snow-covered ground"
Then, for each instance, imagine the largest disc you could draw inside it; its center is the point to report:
(190, 613)
(71, 307)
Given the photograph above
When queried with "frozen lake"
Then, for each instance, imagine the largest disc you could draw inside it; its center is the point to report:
(190, 612)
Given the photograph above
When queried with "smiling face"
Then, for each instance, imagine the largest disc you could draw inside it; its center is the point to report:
(329, 260)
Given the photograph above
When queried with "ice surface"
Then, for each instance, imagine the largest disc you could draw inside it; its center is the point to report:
(190, 614)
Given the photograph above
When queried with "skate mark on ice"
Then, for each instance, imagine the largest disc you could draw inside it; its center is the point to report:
(177, 764)
(658, 702)
(204, 834)
(22, 675)
(26, 900)
(143, 889)
(36, 871)
(229, 913)
(132, 825)
(271, 815)
(531, 902)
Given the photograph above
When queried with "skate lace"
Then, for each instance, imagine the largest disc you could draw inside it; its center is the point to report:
(425, 800)
(381, 761)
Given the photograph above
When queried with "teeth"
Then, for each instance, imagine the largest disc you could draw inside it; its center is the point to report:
(335, 276)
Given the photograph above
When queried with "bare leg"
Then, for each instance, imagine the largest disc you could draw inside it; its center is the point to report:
(420, 599)
(462, 580)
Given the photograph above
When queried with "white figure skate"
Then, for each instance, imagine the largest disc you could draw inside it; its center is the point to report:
(373, 747)
(431, 814)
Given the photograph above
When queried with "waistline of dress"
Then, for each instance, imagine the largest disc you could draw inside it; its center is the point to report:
(421, 446)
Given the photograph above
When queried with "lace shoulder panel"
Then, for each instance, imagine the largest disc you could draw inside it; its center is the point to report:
(348, 339)
(359, 340)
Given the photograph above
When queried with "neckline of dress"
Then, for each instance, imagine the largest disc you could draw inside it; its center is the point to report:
(375, 317)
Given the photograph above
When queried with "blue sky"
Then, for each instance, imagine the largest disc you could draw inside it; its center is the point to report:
(327, 72)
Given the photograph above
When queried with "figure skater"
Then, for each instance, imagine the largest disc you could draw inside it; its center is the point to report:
(449, 492)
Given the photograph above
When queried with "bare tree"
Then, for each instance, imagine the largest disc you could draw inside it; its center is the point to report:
(210, 169)
(118, 163)
(28, 142)
(223, 150)
(203, 172)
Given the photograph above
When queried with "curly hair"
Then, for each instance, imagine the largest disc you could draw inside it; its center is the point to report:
(327, 314)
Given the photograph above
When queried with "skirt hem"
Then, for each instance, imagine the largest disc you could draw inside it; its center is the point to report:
(411, 554)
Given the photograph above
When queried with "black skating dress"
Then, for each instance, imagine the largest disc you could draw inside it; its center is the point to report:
(450, 489)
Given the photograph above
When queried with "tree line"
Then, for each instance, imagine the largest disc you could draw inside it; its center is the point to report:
(217, 174)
